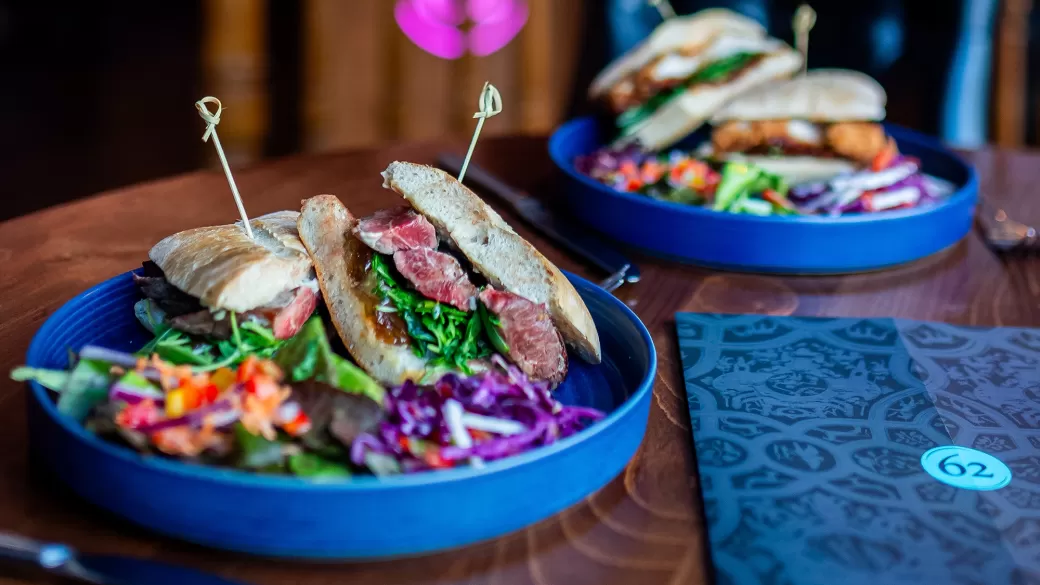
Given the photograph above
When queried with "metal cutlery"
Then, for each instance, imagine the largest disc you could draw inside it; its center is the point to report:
(570, 237)
(65, 562)
(1003, 234)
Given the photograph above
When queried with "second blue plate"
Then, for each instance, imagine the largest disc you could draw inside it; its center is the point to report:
(775, 244)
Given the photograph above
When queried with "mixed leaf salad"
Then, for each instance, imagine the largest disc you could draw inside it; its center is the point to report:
(298, 408)
(892, 182)
(249, 338)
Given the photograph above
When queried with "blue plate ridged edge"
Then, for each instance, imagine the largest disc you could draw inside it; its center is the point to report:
(45, 420)
(610, 212)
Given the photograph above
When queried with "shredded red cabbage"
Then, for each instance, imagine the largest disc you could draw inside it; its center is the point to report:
(606, 161)
(417, 435)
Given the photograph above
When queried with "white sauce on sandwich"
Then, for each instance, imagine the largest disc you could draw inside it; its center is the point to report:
(804, 132)
(727, 46)
(312, 283)
(677, 66)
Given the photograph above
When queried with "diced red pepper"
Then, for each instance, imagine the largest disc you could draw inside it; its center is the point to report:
(652, 171)
(433, 458)
(444, 389)
(868, 200)
(299, 425)
(628, 168)
(632, 184)
(261, 385)
(138, 415)
(479, 435)
(210, 393)
(884, 158)
(247, 369)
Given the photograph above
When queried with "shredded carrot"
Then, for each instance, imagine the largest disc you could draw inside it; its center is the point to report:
(259, 412)
(186, 441)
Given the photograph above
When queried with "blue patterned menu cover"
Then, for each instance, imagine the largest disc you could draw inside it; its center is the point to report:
(809, 437)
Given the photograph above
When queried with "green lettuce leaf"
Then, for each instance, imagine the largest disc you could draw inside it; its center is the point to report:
(256, 452)
(54, 380)
(86, 387)
(315, 466)
(308, 355)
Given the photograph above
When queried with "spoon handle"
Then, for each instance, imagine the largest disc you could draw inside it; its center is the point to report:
(14, 547)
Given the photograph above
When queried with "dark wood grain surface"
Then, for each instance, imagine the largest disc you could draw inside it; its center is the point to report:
(644, 527)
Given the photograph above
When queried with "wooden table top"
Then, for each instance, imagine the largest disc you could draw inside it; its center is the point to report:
(644, 527)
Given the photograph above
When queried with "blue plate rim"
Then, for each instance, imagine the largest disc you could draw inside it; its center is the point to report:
(963, 193)
(356, 483)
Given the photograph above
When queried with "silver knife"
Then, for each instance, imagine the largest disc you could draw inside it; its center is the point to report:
(570, 237)
(63, 561)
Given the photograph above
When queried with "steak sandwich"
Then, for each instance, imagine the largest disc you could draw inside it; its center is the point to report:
(199, 280)
(689, 67)
(810, 128)
(441, 284)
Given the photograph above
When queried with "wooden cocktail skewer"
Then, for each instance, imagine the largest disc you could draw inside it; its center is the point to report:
(803, 22)
(212, 119)
(490, 104)
(664, 8)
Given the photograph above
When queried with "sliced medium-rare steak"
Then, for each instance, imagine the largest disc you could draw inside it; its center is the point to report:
(290, 318)
(203, 323)
(285, 321)
(535, 345)
(391, 230)
(436, 276)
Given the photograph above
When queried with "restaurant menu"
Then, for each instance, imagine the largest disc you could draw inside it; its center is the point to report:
(865, 451)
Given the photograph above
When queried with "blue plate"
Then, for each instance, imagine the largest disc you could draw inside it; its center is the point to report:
(360, 518)
(776, 244)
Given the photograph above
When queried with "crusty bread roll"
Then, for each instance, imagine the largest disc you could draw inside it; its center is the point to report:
(690, 32)
(685, 113)
(325, 227)
(821, 95)
(226, 269)
(508, 261)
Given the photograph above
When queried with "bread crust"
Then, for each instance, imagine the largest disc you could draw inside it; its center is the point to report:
(684, 114)
(226, 269)
(821, 95)
(682, 32)
(507, 260)
(325, 225)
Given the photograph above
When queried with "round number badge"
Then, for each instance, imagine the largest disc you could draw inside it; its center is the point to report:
(966, 468)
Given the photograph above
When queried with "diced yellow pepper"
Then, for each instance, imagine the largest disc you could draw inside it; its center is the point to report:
(222, 378)
(175, 402)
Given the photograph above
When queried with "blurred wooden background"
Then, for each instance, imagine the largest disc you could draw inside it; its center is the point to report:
(363, 82)
(100, 95)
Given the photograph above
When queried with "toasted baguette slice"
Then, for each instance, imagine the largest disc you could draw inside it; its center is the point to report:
(226, 269)
(508, 261)
(325, 227)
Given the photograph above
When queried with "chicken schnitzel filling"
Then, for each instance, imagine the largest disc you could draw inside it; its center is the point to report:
(861, 142)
